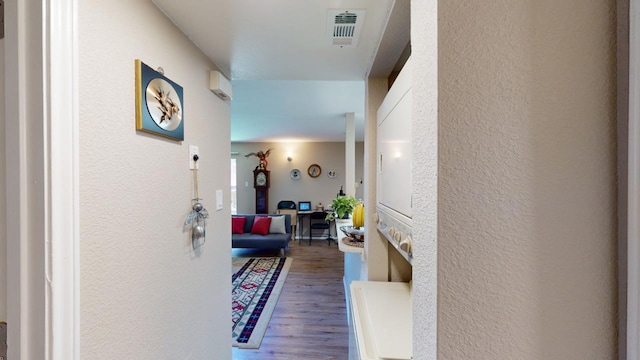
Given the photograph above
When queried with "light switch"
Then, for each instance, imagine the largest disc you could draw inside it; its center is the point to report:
(219, 200)
(193, 150)
(246, 184)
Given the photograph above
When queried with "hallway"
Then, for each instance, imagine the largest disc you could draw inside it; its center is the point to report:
(310, 320)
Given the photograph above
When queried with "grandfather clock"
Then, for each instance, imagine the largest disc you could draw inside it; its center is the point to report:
(261, 184)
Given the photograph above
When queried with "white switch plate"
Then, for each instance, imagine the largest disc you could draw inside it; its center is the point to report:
(219, 200)
(193, 150)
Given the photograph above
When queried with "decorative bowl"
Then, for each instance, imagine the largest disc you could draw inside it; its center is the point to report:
(354, 233)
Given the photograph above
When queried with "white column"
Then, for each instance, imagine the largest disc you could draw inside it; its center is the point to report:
(350, 154)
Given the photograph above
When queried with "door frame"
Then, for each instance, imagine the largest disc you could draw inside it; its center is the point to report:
(41, 67)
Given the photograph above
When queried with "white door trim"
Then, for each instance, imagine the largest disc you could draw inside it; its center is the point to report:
(26, 285)
(633, 227)
(42, 179)
(63, 200)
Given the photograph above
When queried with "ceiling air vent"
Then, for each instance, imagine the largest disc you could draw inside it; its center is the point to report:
(344, 27)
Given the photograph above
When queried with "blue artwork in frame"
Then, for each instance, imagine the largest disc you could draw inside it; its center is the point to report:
(159, 104)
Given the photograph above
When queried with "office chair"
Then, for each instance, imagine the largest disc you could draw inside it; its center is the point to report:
(318, 222)
(287, 204)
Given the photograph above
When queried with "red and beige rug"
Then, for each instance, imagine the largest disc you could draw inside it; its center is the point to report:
(255, 291)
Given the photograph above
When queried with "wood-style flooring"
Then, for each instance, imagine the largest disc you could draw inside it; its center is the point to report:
(310, 319)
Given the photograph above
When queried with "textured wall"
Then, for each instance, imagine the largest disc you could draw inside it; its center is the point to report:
(3, 234)
(426, 196)
(330, 156)
(145, 294)
(527, 180)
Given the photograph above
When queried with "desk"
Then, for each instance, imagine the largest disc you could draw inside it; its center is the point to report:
(307, 214)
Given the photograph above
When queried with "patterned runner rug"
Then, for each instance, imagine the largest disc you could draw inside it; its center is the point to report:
(255, 291)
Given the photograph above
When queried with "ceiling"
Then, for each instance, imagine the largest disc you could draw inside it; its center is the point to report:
(289, 82)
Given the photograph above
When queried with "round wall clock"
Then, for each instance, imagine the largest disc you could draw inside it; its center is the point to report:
(295, 174)
(314, 170)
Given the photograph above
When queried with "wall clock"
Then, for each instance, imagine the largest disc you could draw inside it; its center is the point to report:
(314, 170)
(159, 103)
(261, 179)
(295, 174)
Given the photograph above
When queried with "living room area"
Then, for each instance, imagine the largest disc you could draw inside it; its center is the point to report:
(303, 142)
(308, 317)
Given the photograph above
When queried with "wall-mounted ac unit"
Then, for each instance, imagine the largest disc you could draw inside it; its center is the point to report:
(220, 85)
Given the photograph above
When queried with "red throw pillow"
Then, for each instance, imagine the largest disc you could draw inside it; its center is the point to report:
(237, 224)
(261, 225)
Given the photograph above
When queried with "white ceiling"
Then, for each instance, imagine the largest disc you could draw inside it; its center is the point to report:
(288, 83)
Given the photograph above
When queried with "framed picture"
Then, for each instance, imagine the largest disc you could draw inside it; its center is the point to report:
(159, 104)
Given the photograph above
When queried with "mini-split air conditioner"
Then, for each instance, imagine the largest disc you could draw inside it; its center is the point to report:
(220, 85)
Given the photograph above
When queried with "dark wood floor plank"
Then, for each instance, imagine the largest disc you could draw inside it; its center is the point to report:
(310, 319)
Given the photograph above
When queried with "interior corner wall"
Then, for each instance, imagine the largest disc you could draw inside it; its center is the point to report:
(376, 247)
(3, 233)
(329, 155)
(527, 180)
(145, 292)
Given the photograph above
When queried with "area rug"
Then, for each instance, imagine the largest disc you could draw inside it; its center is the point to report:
(255, 291)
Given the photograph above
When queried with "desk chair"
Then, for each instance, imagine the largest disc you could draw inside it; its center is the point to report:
(318, 222)
(287, 204)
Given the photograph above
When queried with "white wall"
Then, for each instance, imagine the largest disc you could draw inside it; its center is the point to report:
(427, 154)
(330, 156)
(3, 234)
(527, 179)
(145, 294)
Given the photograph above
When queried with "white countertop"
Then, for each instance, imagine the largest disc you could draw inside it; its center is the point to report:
(382, 315)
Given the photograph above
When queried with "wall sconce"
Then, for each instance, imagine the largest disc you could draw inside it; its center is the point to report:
(289, 156)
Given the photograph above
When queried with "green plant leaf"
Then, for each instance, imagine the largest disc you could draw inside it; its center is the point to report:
(343, 205)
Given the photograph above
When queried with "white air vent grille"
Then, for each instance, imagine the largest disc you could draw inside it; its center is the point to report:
(344, 27)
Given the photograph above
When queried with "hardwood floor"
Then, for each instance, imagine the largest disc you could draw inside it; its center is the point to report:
(310, 319)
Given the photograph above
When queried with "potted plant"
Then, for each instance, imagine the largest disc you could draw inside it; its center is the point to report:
(342, 206)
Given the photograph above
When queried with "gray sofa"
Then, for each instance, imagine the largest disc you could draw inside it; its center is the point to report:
(270, 241)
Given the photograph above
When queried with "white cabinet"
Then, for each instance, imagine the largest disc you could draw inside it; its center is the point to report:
(382, 318)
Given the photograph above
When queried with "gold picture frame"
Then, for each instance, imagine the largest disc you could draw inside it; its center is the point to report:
(159, 103)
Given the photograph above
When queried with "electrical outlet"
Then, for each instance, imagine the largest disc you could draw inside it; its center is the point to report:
(193, 150)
